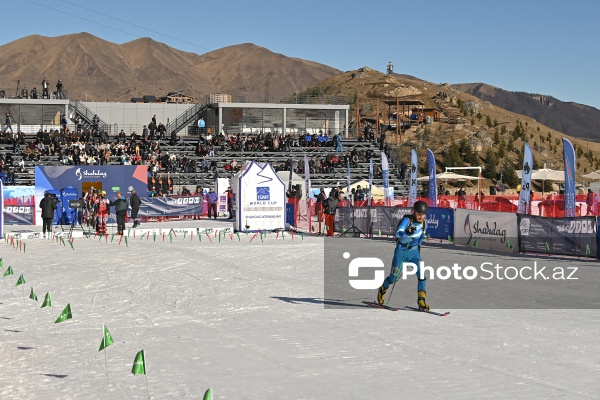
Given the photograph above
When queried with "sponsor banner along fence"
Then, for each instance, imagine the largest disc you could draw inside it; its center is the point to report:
(384, 220)
(19, 205)
(486, 230)
(575, 236)
(170, 207)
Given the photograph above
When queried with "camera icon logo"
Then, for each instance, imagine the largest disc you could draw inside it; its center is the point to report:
(365, 262)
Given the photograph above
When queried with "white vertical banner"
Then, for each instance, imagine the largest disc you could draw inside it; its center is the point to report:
(306, 179)
(414, 169)
(370, 182)
(385, 172)
(222, 184)
(525, 195)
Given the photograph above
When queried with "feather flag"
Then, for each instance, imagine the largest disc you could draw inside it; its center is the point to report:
(432, 179)
(525, 194)
(412, 191)
(569, 161)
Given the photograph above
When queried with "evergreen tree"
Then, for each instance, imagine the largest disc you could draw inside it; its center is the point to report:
(509, 176)
(488, 121)
(496, 136)
(452, 156)
(491, 164)
(467, 153)
(502, 149)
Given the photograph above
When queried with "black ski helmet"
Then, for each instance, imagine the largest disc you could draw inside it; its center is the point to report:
(420, 207)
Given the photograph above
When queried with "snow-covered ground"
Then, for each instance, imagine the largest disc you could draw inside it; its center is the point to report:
(247, 319)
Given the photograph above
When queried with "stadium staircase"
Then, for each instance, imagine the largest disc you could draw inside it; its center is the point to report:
(78, 108)
(184, 119)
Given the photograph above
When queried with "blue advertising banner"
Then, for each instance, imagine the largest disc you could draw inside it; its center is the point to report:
(569, 158)
(440, 223)
(432, 179)
(70, 182)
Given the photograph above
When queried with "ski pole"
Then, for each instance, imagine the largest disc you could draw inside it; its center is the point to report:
(397, 275)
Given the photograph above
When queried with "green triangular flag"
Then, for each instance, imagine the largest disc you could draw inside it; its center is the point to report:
(47, 301)
(139, 364)
(547, 246)
(509, 245)
(32, 295)
(65, 315)
(450, 239)
(20, 281)
(476, 242)
(587, 250)
(208, 395)
(8, 271)
(379, 232)
(1, 262)
(107, 340)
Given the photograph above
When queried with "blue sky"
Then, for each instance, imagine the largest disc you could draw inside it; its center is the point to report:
(545, 47)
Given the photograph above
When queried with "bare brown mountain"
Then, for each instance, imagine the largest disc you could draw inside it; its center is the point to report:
(574, 119)
(99, 70)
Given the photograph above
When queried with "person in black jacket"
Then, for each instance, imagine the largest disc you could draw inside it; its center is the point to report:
(330, 207)
(48, 206)
(121, 206)
(134, 202)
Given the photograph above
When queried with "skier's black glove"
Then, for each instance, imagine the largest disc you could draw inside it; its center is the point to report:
(410, 230)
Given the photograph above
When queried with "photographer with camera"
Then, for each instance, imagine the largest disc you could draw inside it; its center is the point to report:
(48, 206)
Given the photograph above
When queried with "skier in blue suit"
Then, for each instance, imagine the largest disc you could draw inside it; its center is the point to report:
(409, 236)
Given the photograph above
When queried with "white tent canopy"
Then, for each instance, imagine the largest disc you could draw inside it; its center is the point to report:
(592, 175)
(545, 174)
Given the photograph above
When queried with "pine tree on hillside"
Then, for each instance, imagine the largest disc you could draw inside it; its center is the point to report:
(491, 164)
(452, 156)
(509, 176)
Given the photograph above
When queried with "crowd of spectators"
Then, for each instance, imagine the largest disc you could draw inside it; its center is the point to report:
(92, 146)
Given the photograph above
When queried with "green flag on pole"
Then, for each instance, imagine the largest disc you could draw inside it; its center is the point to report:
(208, 395)
(8, 271)
(1, 262)
(107, 340)
(32, 295)
(139, 364)
(65, 315)
(20, 281)
(547, 246)
(47, 301)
